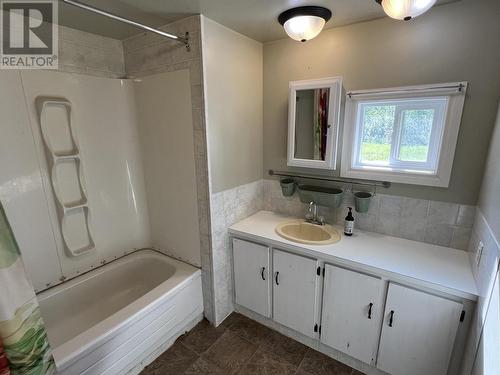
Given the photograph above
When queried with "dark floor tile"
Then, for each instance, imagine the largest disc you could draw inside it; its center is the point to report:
(265, 363)
(201, 337)
(287, 348)
(242, 346)
(230, 351)
(203, 367)
(302, 372)
(230, 320)
(174, 361)
(319, 364)
(250, 330)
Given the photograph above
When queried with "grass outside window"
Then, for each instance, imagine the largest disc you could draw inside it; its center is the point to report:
(380, 153)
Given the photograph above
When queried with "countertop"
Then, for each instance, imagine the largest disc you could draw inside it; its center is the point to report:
(437, 267)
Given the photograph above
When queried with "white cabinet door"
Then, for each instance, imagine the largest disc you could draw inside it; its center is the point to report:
(295, 292)
(251, 276)
(418, 332)
(352, 307)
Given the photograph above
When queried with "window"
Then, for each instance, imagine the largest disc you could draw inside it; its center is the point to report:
(403, 135)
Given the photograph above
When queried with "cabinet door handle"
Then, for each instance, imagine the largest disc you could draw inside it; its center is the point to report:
(262, 273)
(391, 318)
(276, 278)
(370, 310)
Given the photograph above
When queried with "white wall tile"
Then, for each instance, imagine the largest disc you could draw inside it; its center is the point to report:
(438, 234)
(388, 224)
(365, 221)
(466, 215)
(416, 209)
(390, 205)
(412, 229)
(461, 238)
(445, 224)
(442, 212)
(228, 207)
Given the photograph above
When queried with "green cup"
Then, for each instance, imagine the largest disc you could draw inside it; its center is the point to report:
(287, 187)
(362, 201)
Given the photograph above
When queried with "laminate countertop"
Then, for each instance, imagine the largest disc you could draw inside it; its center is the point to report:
(437, 267)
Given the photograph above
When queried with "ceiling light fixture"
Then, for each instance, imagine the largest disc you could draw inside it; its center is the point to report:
(405, 9)
(304, 23)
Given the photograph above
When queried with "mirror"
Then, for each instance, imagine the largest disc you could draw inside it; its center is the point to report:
(313, 123)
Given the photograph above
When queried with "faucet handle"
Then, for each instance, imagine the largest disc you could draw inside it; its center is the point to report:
(310, 215)
(321, 220)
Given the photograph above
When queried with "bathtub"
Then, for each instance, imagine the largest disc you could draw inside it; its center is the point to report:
(119, 317)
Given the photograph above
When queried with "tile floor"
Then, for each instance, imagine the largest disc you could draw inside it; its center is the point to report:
(242, 346)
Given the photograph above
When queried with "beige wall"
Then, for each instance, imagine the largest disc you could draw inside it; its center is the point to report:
(453, 42)
(489, 200)
(232, 65)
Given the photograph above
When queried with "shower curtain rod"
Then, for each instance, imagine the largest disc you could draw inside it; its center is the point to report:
(184, 40)
(459, 87)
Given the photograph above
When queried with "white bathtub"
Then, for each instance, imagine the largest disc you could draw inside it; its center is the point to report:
(117, 318)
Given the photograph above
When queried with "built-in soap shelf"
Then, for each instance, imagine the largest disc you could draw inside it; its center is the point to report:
(76, 232)
(67, 181)
(67, 177)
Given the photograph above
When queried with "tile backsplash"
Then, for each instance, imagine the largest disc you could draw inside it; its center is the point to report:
(439, 223)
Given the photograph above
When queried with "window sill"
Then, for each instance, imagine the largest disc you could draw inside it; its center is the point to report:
(386, 174)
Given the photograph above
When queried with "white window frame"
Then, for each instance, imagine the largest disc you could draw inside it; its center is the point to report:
(402, 105)
(441, 148)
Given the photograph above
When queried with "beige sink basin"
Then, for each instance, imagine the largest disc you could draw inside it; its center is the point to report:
(306, 233)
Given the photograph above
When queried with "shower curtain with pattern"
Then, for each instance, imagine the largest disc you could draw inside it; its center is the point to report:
(24, 347)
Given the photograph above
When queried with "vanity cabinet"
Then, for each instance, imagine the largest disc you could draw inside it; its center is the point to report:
(295, 292)
(251, 276)
(351, 313)
(376, 320)
(418, 332)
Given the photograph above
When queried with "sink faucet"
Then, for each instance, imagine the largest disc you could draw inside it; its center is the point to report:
(312, 214)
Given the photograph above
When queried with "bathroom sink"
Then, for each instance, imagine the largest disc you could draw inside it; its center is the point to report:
(306, 233)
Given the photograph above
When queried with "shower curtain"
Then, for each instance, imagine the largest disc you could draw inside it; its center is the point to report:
(4, 365)
(22, 332)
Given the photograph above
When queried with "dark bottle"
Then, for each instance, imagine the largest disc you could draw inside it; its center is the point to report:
(349, 223)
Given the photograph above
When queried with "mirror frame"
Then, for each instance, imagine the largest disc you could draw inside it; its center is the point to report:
(335, 86)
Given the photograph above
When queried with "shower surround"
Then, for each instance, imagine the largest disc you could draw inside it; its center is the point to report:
(139, 173)
(144, 55)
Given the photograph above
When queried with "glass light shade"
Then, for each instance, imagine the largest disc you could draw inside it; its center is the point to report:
(303, 28)
(406, 9)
